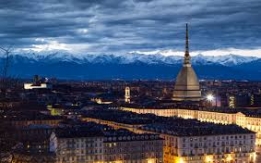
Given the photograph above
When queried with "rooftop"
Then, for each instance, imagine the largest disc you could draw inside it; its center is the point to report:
(92, 129)
(179, 127)
(171, 125)
(118, 116)
(157, 105)
(27, 115)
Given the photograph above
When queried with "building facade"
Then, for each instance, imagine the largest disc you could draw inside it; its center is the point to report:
(191, 141)
(252, 123)
(107, 147)
(234, 148)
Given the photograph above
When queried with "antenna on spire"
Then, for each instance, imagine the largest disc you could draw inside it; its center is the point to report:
(187, 57)
(187, 42)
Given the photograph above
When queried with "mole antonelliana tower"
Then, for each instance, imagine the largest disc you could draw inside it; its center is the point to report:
(187, 86)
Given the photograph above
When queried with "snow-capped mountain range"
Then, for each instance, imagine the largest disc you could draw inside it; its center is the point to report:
(62, 64)
(54, 56)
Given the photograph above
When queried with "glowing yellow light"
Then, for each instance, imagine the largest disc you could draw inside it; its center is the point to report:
(118, 161)
(229, 158)
(209, 159)
(253, 156)
(180, 160)
(151, 160)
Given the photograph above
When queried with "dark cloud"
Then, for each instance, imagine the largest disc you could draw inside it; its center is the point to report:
(117, 25)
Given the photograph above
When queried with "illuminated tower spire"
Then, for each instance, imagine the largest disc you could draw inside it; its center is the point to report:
(187, 87)
(187, 57)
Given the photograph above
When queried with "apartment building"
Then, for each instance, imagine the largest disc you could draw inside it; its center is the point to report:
(100, 143)
(250, 121)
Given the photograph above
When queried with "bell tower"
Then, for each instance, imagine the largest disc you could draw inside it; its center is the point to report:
(127, 94)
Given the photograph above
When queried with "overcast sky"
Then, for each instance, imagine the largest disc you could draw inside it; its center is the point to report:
(122, 26)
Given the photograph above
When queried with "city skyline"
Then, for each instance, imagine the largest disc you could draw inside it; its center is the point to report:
(120, 27)
(124, 81)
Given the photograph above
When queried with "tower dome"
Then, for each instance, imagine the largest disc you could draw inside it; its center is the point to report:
(187, 86)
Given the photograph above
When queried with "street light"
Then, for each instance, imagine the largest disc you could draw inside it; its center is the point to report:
(210, 97)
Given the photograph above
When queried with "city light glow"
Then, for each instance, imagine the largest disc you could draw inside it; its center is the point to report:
(151, 160)
(229, 158)
(210, 97)
(181, 160)
(209, 158)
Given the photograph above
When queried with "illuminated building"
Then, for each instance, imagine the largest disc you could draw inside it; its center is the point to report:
(127, 94)
(100, 101)
(55, 111)
(231, 101)
(250, 122)
(187, 140)
(246, 100)
(242, 100)
(93, 144)
(206, 146)
(37, 84)
(70, 111)
(187, 86)
(33, 144)
(147, 148)
(35, 138)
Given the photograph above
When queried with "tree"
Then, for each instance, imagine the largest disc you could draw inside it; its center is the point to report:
(6, 62)
(5, 67)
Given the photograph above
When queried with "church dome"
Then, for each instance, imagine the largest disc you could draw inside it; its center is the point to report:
(187, 87)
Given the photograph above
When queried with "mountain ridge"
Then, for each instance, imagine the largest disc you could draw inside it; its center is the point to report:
(131, 66)
(226, 60)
